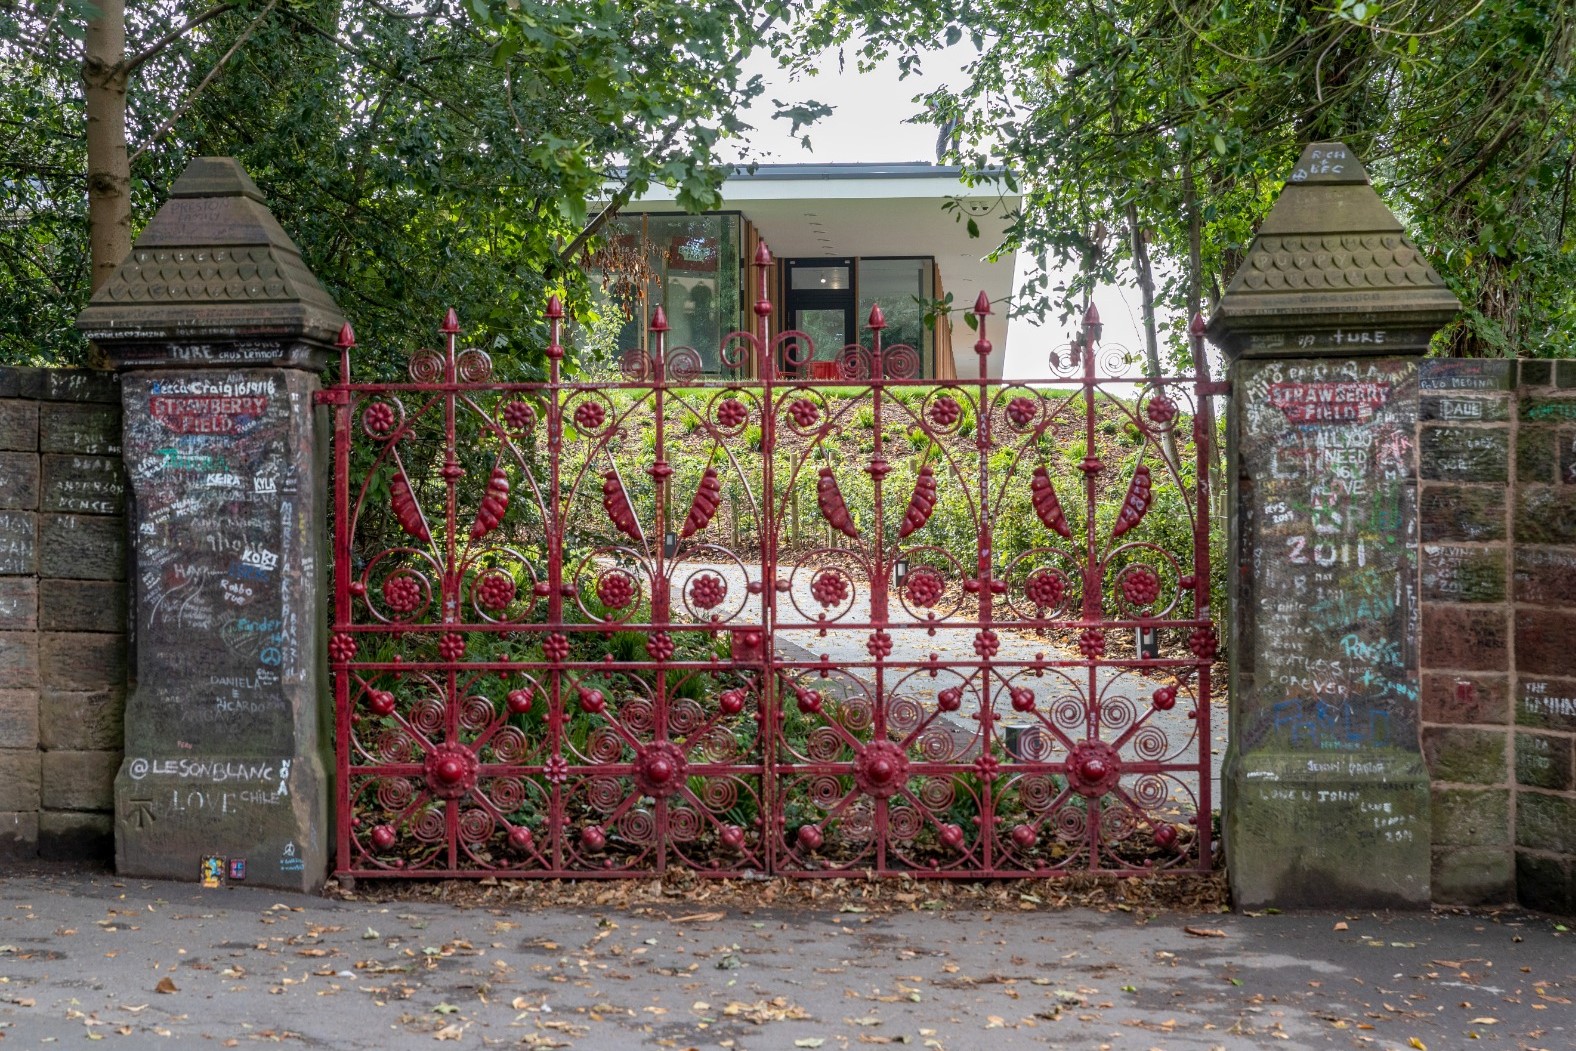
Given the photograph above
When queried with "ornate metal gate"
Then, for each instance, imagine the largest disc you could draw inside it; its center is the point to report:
(809, 627)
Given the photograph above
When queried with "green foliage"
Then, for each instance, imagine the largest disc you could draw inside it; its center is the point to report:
(421, 157)
(1183, 117)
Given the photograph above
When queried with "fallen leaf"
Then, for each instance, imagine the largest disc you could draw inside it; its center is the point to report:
(1413, 1041)
(1485, 1021)
(809, 1041)
(1340, 926)
(449, 1032)
(1205, 932)
(166, 985)
(700, 917)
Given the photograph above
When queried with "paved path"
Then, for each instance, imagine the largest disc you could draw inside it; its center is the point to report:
(84, 957)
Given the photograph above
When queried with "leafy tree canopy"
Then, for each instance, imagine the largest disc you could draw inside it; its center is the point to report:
(1178, 120)
(422, 153)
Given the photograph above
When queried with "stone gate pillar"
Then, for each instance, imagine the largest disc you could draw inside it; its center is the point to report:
(1326, 797)
(219, 333)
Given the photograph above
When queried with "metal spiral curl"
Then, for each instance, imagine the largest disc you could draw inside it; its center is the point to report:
(1117, 823)
(900, 362)
(854, 363)
(1038, 792)
(936, 745)
(637, 715)
(428, 716)
(826, 792)
(859, 824)
(473, 366)
(685, 716)
(427, 366)
(904, 822)
(1068, 712)
(904, 716)
(395, 745)
(937, 793)
(1150, 743)
(684, 824)
(1071, 824)
(1117, 713)
(737, 349)
(1149, 791)
(476, 825)
(823, 744)
(604, 793)
(506, 793)
(476, 713)
(795, 348)
(509, 745)
(638, 826)
(719, 794)
(684, 365)
(858, 713)
(429, 826)
(1113, 359)
(394, 793)
(1035, 745)
(719, 746)
(636, 365)
(604, 746)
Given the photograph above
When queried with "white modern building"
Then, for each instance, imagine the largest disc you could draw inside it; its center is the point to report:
(843, 236)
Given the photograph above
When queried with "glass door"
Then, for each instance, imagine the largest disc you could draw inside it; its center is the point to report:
(821, 305)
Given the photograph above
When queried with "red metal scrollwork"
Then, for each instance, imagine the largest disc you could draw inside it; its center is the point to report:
(809, 614)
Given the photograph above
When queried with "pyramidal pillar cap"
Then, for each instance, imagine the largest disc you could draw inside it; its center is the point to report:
(1331, 273)
(213, 280)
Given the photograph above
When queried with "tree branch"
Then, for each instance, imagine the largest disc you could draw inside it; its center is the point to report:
(131, 63)
(187, 102)
(625, 192)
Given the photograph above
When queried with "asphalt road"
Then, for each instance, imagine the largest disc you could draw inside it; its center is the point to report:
(153, 964)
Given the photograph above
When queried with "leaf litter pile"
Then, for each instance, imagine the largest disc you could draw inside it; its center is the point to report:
(1172, 892)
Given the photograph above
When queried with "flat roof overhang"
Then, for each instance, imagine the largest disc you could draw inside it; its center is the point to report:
(839, 210)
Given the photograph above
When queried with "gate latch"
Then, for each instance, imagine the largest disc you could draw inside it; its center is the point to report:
(331, 396)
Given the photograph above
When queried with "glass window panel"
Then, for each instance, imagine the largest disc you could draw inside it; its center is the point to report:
(812, 277)
(826, 329)
(901, 287)
(697, 258)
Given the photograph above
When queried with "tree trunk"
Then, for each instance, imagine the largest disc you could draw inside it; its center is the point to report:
(109, 167)
(1195, 307)
(1146, 288)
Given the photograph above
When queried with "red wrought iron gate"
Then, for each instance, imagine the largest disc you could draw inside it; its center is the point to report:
(769, 624)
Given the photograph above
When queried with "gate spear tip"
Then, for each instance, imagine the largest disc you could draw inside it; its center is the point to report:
(659, 320)
(1197, 326)
(451, 323)
(982, 303)
(347, 337)
(555, 307)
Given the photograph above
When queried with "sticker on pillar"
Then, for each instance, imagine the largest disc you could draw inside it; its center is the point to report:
(289, 861)
(212, 871)
(238, 869)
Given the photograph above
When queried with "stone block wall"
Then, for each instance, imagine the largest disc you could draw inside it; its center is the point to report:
(62, 611)
(1497, 525)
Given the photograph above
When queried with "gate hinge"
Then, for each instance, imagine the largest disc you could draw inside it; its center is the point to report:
(1217, 387)
(332, 396)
